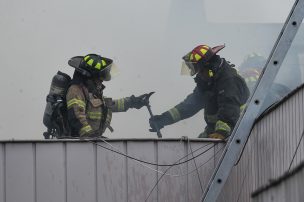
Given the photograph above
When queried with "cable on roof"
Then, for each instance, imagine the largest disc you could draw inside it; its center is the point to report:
(150, 163)
(295, 153)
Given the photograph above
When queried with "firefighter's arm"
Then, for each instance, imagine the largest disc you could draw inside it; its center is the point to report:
(187, 108)
(123, 104)
(229, 107)
(76, 105)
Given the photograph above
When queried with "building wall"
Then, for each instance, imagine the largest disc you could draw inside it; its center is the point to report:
(287, 188)
(76, 171)
(269, 150)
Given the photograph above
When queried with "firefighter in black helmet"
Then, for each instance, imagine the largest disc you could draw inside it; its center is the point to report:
(220, 91)
(89, 112)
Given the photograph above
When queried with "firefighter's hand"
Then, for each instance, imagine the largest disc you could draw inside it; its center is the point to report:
(88, 135)
(139, 102)
(156, 122)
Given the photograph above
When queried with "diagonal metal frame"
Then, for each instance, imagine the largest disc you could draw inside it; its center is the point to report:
(242, 129)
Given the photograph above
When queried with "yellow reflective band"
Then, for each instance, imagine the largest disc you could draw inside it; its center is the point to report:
(242, 107)
(197, 57)
(204, 51)
(85, 129)
(175, 114)
(206, 47)
(210, 73)
(252, 78)
(103, 63)
(86, 58)
(94, 115)
(220, 125)
(98, 66)
(121, 104)
(77, 102)
(90, 62)
(191, 57)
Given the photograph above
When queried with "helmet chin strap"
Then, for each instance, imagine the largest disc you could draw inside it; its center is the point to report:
(99, 86)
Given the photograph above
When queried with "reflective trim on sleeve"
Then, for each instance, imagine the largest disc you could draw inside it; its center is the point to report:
(94, 115)
(251, 79)
(120, 104)
(242, 107)
(220, 125)
(175, 114)
(75, 101)
(85, 129)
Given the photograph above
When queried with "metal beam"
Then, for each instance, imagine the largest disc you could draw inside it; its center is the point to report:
(242, 129)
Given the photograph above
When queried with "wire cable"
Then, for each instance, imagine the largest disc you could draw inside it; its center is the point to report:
(243, 181)
(172, 175)
(170, 165)
(198, 175)
(139, 161)
(150, 163)
(295, 153)
(212, 157)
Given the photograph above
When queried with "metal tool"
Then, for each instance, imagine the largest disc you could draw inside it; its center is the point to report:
(146, 99)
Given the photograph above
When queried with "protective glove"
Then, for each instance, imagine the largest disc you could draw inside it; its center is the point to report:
(159, 121)
(92, 135)
(139, 102)
(217, 136)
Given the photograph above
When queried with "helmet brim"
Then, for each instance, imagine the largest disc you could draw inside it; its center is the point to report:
(75, 61)
(217, 49)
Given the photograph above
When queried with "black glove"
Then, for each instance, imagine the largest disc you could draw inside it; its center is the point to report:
(159, 121)
(139, 102)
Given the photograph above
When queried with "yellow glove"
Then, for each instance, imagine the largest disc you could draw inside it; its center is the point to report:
(217, 136)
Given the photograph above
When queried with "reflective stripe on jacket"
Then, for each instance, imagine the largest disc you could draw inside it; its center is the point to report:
(90, 114)
(220, 99)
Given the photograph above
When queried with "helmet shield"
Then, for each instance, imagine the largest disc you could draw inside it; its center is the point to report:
(198, 58)
(188, 68)
(109, 72)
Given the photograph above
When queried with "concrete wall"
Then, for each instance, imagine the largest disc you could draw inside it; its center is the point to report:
(75, 171)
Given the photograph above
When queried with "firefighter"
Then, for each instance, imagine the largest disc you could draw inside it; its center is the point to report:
(251, 69)
(89, 111)
(219, 90)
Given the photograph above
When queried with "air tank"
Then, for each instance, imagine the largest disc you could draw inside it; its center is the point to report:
(59, 85)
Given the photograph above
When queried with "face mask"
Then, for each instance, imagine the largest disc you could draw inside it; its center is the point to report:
(189, 68)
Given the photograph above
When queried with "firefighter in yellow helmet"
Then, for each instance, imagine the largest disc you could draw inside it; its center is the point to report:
(89, 112)
(251, 69)
(219, 90)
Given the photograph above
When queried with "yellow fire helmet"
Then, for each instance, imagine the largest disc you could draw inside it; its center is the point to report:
(199, 55)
